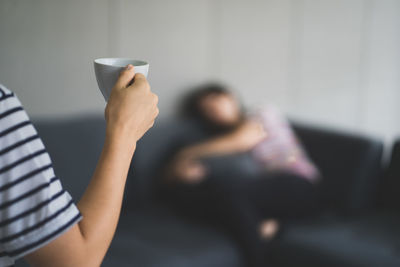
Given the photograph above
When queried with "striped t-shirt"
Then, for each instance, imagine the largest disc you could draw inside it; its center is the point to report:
(34, 208)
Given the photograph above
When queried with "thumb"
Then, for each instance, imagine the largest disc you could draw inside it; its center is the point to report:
(125, 77)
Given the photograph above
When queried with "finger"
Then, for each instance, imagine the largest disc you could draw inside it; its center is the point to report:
(156, 113)
(140, 80)
(125, 77)
(155, 97)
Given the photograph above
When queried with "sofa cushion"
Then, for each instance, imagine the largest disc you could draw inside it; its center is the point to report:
(369, 240)
(157, 237)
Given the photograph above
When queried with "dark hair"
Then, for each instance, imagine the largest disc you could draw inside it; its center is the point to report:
(190, 107)
(191, 102)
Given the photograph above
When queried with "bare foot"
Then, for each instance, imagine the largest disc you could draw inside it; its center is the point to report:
(268, 229)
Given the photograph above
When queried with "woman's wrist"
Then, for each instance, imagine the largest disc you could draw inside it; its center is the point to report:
(120, 140)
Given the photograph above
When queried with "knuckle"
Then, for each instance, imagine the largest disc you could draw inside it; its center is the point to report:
(123, 72)
(155, 98)
(140, 76)
(139, 82)
(143, 84)
(141, 79)
(146, 85)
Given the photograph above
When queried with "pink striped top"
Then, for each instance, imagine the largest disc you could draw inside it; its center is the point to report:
(281, 150)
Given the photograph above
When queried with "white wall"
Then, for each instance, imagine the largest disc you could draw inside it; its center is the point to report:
(335, 62)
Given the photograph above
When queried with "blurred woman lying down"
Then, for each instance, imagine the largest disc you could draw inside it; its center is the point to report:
(252, 205)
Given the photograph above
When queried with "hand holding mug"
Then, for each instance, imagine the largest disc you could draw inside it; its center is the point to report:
(132, 107)
(107, 71)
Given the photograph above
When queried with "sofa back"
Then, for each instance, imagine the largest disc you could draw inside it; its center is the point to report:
(74, 146)
(350, 164)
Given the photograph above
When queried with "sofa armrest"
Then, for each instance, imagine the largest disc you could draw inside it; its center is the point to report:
(351, 166)
(389, 189)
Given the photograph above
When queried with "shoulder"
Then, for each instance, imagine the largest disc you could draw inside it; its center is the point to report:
(4, 91)
(12, 114)
(8, 98)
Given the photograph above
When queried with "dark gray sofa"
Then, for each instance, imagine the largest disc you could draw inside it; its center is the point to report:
(368, 239)
(151, 234)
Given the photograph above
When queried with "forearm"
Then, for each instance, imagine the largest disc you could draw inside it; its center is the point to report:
(215, 147)
(130, 112)
(86, 243)
(242, 139)
(101, 202)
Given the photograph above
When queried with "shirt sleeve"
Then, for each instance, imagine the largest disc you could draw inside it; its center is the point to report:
(281, 150)
(34, 207)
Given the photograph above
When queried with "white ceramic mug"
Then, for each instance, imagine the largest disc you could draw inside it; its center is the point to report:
(107, 71)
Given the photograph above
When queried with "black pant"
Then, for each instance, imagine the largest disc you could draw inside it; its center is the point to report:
(240, 204)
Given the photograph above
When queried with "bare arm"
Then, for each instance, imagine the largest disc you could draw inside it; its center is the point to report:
(185, 167)
(242, 139)
(130, 112)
